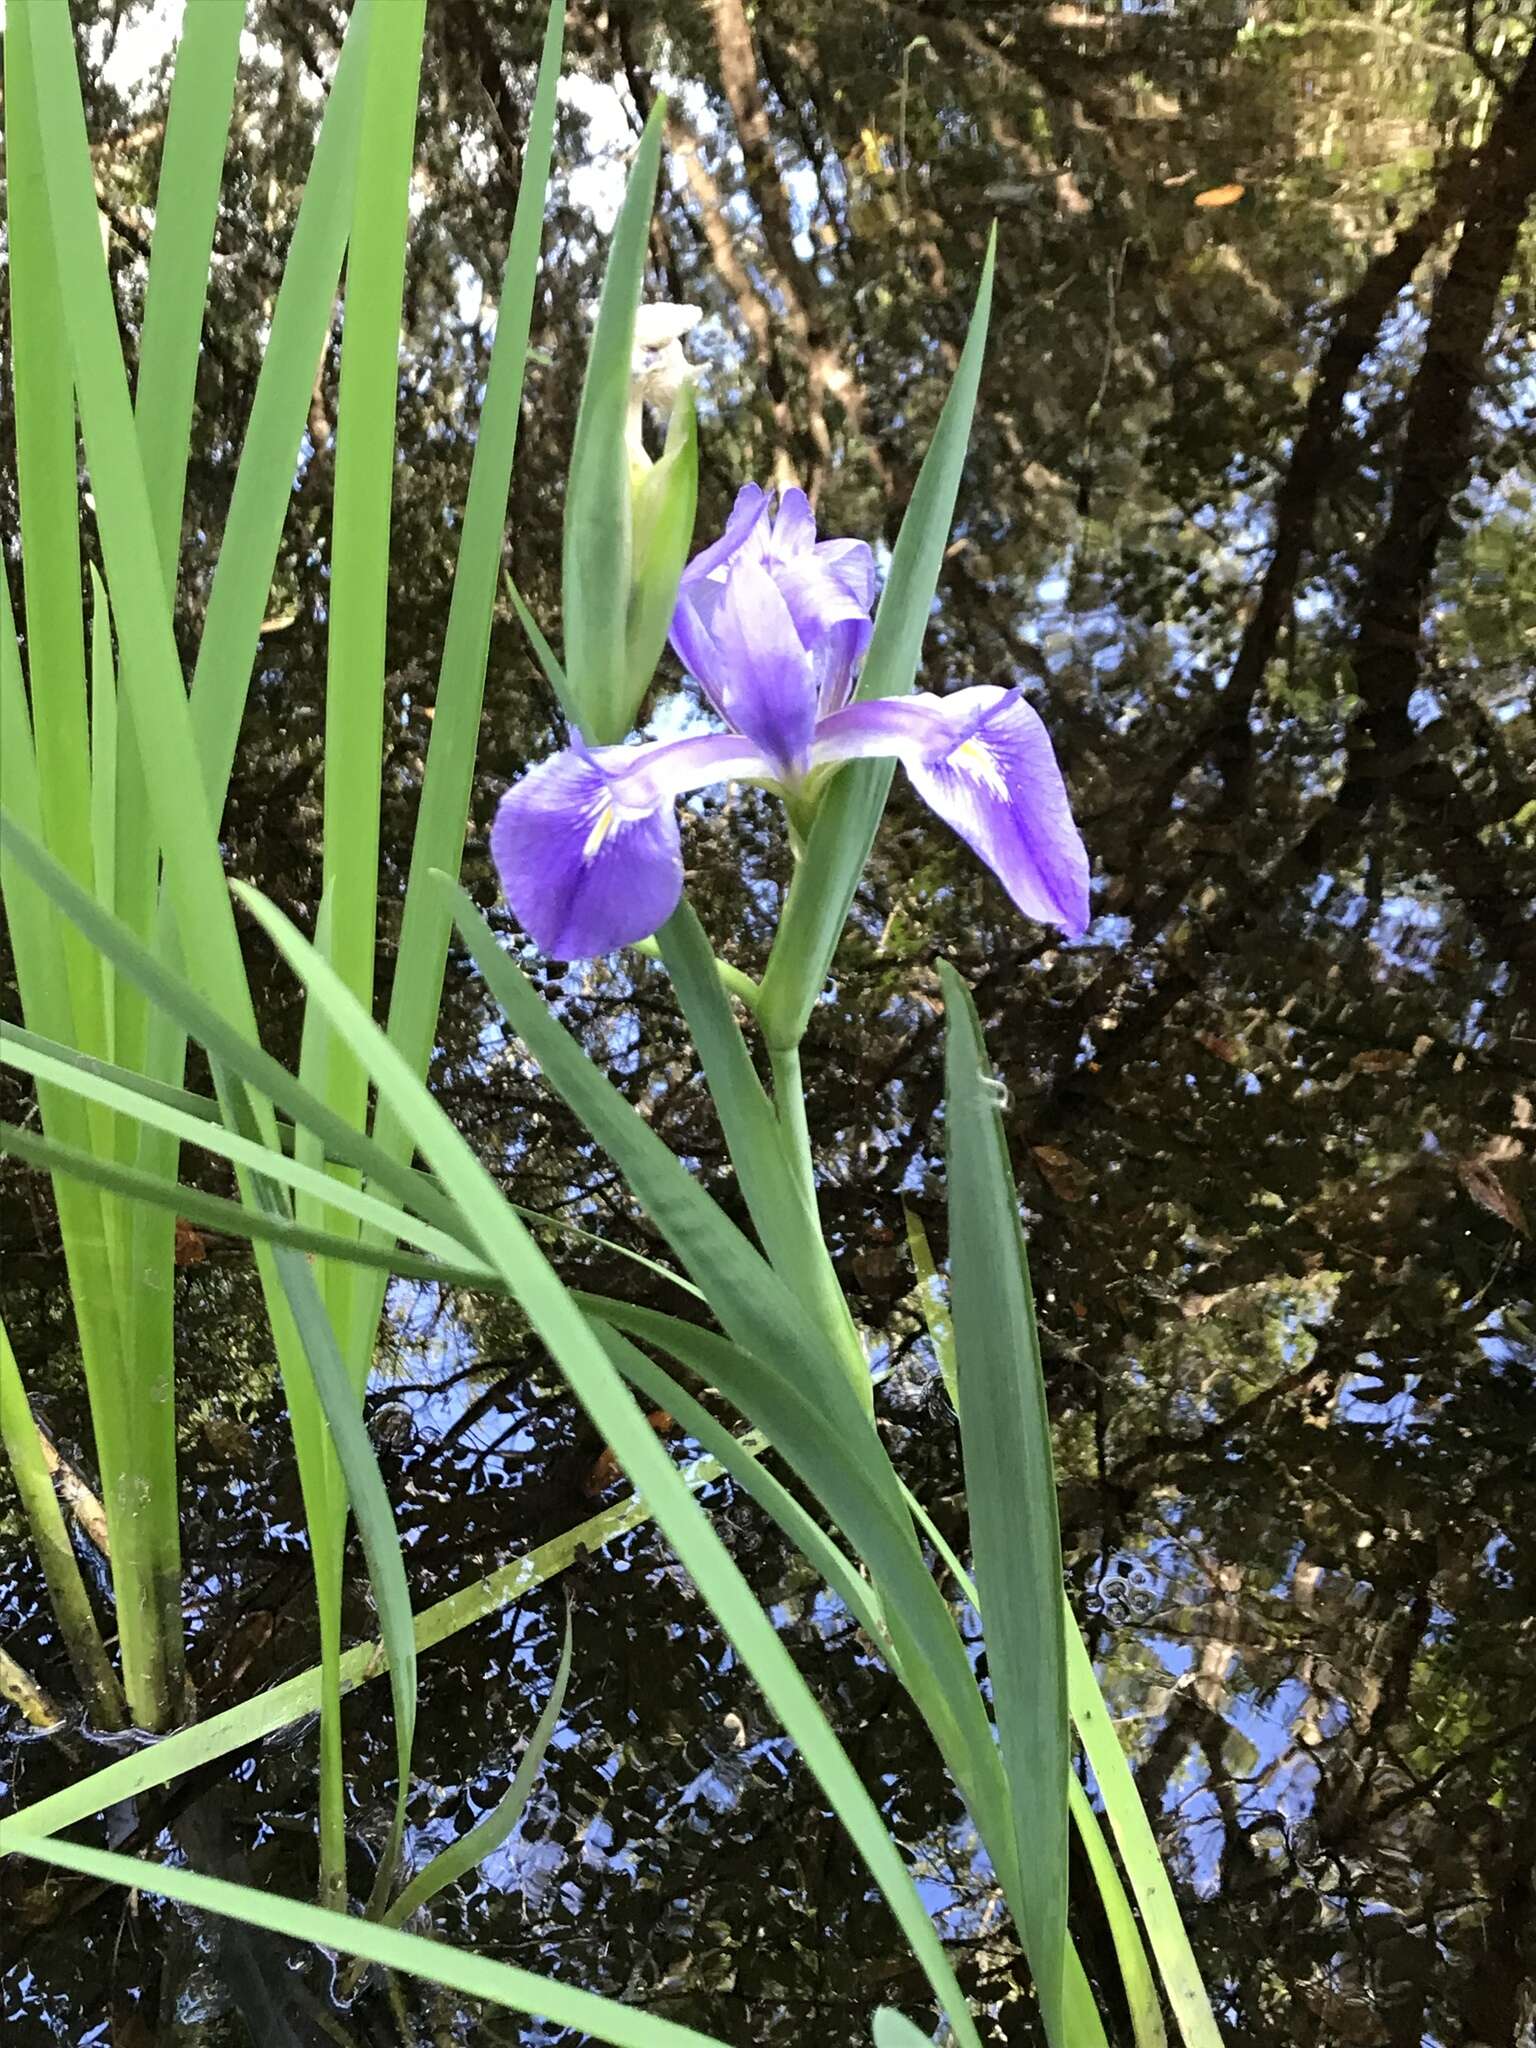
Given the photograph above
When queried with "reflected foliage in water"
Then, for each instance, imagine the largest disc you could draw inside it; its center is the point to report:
(1249, 515)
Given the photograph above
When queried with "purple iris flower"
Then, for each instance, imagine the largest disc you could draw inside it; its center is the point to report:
(772, 625)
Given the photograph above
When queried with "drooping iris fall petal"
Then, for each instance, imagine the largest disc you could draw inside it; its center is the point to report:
(772, 624)
(983, 760)
(587, 844)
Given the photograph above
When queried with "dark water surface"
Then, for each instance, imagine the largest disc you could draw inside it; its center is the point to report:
(1249, 516)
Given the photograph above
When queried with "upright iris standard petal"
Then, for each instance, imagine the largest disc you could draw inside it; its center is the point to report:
(702, 588)
(850, 564)
(587, 845)
(768, 679)
(982, 759)
(752, 501)
(794, 528)
(828, 587)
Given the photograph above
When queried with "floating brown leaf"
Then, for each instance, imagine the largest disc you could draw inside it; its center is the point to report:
(191, 1247)
(1219, 1048)
(1479, 1180)
(1066, 1177)
(605, 1468)
(1385, 1059)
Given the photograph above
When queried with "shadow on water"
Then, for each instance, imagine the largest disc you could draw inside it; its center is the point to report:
(1249, 516)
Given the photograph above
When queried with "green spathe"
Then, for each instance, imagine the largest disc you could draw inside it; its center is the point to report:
(599, 552)
(664, 497)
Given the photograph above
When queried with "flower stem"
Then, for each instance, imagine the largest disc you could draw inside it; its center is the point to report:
(789, 1101)
(769, 1146)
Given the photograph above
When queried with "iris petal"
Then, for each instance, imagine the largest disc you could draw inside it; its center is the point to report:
(816, 600)
(794, 529)
(833, 625)
(751, 503)
(850, 564)
(583, 875)
(828, 587)
(693, 641)
(587, 845)
(769, 683)
(983, 760)
(702, 587)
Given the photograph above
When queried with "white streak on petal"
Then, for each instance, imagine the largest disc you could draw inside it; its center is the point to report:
(975, 760)
(606, 819)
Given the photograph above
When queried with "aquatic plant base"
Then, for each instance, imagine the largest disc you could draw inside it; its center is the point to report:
(239, 1727)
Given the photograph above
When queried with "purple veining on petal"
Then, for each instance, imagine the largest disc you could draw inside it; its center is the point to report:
(773, 625)
(983, 761)
(768, 680)
(752, 501)
(828, 587)
(582, 875)
(657, 771)
(587, 844)
(703, 586)
(851, 566)
(832, 624)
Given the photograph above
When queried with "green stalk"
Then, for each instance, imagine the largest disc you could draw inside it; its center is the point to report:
(488, 1833)
(186, 213)
(789, 1101)
(46, 479)
(47, 775)
(1127, 1817)
(66, 1589)
(771, 1153)
(941, 1328)
(1010, 1490)
(475, 1977)
(354, 715)
(143, 1240)
(795, 1137)
(231, 626)
(1131, 1957)
(164, 731)
(104, 789)
(359, 587)
(438, 842)
(558, 1321)
(732, 980)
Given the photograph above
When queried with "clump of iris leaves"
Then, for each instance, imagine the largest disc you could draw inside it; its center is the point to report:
(116, 765)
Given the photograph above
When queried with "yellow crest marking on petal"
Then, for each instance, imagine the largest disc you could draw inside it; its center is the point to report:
(975, 759)
(602, 825)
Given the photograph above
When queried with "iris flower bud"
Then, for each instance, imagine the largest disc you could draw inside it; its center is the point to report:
(663, 494)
